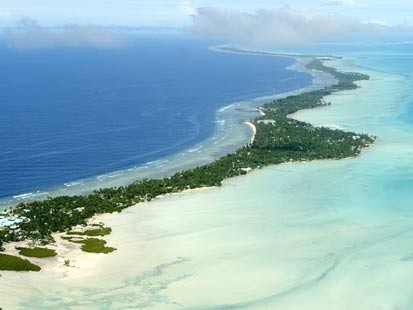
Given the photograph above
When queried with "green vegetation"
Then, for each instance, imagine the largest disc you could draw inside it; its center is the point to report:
(345, 80)
(14, 263)
(103, 231)
(94, 245)
(91, 245)
(278, 139)
(36, 252)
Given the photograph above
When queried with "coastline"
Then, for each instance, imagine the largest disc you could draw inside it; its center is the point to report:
(80, 260)
(225, 48)
(87, 266)
(81, 263)
(65, 248)
(254, 131)
(229, 135)
(331, 225)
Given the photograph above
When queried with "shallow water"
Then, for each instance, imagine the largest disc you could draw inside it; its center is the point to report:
(320, 235)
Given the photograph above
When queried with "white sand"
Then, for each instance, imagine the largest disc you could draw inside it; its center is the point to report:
(254, 131)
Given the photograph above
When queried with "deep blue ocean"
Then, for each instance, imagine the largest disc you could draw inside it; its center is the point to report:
(68, 114)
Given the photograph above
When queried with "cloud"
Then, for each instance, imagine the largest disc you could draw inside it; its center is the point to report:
(379, 22)
(4, 13)
(275, 27)
(29, 34)
(351, 3)
(187, 8)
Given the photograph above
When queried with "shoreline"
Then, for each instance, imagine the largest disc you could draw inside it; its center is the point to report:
(255, 224)
(254, 131)
(226, 48)
(69, 251)
(81, 261)
(233, 113)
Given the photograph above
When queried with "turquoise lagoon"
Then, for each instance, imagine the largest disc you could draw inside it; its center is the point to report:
(319, 235)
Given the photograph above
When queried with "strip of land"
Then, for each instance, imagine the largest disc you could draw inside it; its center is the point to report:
(235, 50)
(277, 139)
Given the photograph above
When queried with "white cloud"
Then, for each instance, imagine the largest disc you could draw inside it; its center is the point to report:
(29, 34)
(351, 3)
(378, 22)
(4, 14)
(187, 8)
(275, 27)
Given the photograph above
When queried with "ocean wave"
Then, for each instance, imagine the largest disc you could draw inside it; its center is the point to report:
(195, 149)
(70, 187)
(115, 175)
(219, 141)
(155, 162)
(110, 175)
(70, 184)
(23, 196)
(331, 126)
(39, 193)
(223, 109)
(220, 122)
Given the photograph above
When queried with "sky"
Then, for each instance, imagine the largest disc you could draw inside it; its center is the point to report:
(177, 13)
(28, 23)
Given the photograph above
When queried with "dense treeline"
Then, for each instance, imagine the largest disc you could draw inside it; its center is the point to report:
(278, 139)
(345, 80)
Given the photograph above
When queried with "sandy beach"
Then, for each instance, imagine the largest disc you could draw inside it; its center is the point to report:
(254, 131)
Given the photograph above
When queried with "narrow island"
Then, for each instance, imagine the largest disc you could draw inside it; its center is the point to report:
(277, 139)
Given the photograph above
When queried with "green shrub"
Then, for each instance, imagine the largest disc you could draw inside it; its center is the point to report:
(14, 263)
(37, 252)
(92, 233)
(95, 245)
